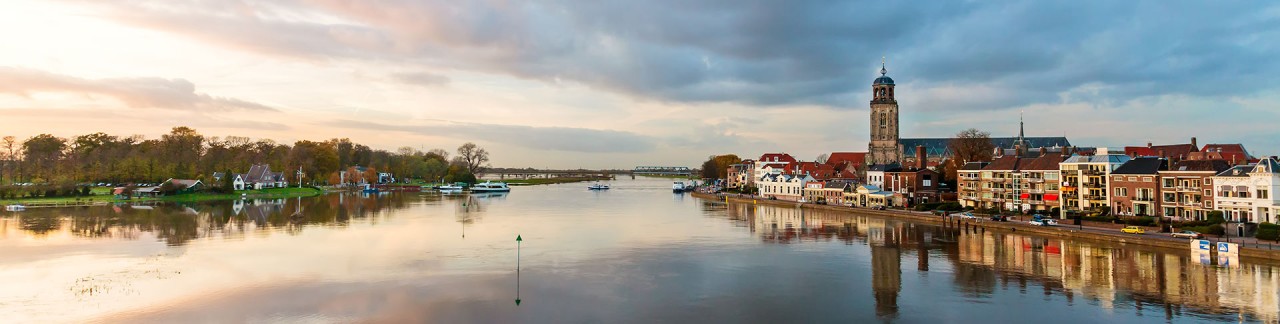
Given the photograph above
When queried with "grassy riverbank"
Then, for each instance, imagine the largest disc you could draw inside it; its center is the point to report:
(192, 197)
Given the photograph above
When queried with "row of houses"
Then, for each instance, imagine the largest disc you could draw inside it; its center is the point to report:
(1177, 182)
(838, 180)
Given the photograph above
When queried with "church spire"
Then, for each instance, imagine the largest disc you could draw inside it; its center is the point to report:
(883, 71)
(1021, 128)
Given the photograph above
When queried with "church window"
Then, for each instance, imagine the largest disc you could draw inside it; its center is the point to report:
(883, 120)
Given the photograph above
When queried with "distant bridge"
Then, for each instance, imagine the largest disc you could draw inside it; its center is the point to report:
(662, 170)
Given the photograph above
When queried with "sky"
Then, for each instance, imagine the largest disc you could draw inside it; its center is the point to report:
(618, 84)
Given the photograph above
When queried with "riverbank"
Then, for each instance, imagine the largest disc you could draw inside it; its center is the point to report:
(104, 199)
(1253, 253)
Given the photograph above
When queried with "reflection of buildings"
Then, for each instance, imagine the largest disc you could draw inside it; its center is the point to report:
(1108, 275)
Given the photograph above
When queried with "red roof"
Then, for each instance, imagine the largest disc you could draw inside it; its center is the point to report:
(1234, 153)
(1175, 151)
(776, 157)
(855, 158)
(824, 172)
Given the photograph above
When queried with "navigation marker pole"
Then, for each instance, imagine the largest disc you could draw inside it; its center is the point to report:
(518, 240)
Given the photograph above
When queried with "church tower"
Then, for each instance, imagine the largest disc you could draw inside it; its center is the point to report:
(884, 121)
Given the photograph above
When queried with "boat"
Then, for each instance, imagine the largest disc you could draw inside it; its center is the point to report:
(452, 187)
(598, 186)
(369, 189)
(678, 187)
(14, 208)
(489, 186)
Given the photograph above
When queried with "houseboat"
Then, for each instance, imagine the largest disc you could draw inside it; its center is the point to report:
(489, 186)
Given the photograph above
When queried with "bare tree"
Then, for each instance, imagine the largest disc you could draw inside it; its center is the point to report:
(822, 158)
(970, 145)
(475, 157)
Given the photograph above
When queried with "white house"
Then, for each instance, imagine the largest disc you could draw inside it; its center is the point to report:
(1247, 193)
(783, 186)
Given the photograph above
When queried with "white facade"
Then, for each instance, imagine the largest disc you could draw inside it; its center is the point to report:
(783, 186)
(875, 178)
(1247, 193)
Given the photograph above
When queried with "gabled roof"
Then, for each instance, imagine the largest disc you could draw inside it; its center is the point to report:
(1267, 165)
(1237, 171)
(1047, 162)
(974, 166)
(776, 157)
(1107, 158)
(1174, 151)
(1142, 165)
(855, 158)
(836, 184)
(1003, 163)
(1214, 166)
(1229, 152)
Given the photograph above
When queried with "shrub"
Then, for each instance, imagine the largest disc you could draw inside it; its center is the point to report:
(1268, 231)
(1140, 221)
(1216, 217)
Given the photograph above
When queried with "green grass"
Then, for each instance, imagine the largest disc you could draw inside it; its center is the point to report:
(665, 176)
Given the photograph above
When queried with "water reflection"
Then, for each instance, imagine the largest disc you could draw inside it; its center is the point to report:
(1171, 283)
(178, 224)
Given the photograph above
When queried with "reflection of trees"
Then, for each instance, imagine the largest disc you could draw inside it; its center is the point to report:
(177, 224)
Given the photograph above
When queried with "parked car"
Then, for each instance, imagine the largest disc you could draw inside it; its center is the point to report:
(878, 207)
(1044, 222)
(1188, 234)
(1133, 230)
(1000, 218)
(966, 215)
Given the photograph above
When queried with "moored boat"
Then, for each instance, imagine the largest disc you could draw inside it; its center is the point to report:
(490, 186)
(678, 187)
(14, 208)
(598, 186)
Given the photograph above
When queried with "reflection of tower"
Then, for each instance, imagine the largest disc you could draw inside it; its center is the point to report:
(886, 274)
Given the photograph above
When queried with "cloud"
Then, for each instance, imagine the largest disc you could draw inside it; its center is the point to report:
(177, 94)
(766, 53)
(540, 138)
(422, 79)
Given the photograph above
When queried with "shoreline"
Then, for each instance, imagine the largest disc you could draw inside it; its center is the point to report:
(102, 200)
(1255, 255)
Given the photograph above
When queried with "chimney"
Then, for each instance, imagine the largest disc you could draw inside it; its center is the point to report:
(1193, 143)
(920, 157)
(1148, 144)
(1160, 152)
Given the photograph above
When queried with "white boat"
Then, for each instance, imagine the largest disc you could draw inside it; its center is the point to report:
(14, 208)
(678, 187)
(598, 186)
(489, 186)
(449, 188)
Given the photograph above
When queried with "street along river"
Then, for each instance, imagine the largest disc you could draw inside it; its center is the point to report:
(636, 253)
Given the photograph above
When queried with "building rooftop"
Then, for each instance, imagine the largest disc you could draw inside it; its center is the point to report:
(1142, 165)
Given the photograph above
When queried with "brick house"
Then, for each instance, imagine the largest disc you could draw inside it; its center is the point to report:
(1135, 186)
(1187, 187)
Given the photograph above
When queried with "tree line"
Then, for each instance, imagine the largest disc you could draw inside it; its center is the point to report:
(184, 153)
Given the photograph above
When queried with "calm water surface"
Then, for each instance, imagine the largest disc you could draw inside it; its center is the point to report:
(636, 253)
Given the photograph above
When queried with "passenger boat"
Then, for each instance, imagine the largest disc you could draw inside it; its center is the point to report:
(452, 187)
(489, 186)
(598, 186)
(678, 187)
(14, 208)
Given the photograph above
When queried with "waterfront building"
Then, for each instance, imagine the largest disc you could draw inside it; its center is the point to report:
(772, 163)
(1186, 189)
(869, 196)
(1135, 186)
(969, 190)
(913, 185)
(830, 192)
(1235, 154)
(783, 186)
(1247, 193)
(740, 175)
(1086, 181)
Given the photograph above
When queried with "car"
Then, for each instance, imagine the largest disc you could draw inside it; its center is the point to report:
(1133, 230)
(1044, 222)
(1187, 234)
(881, 207)
(965, 215)
(1000, 218)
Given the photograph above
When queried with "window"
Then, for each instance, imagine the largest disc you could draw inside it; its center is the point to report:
(1122, 192)
(1146, 179)
(1262, 194)
(1134, 179)
(1169, 183)
(1119, 178)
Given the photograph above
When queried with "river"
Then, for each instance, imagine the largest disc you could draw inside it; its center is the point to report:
(634, 254)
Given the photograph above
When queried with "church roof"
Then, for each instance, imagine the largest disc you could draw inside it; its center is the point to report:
(940, 146)
(883, 79)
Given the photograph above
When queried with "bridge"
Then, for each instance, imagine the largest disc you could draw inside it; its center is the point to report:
(662, 170)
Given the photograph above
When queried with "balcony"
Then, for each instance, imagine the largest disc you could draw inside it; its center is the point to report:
(1188, 189)
(1095, 197)
(998, 189)
(1092, 172)
(998, 180)
(1035, 180)
(1093, 184)
(1037, 191)
(1036, 202)
(1143, 199)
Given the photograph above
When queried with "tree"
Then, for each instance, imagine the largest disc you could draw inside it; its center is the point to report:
(822, 158)
(970, 145)
(717, 166)
(9, 157)
(42, 152)
(476, 158)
